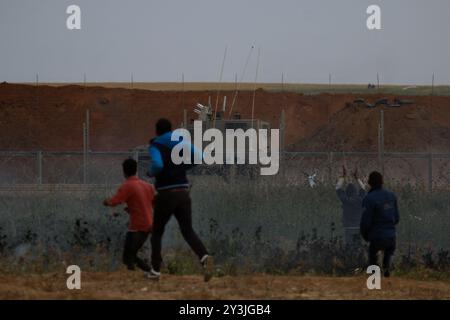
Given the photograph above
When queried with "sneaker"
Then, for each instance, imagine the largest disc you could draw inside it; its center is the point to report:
(208, 267)
(153, 275)
(357, 271)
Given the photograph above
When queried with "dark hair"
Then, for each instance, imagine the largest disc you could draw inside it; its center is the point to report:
(162, 126)
(129, 167)
(375, 179)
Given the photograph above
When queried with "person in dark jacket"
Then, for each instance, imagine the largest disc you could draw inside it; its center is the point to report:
(173, 197)
(378, 222)
(351, 196)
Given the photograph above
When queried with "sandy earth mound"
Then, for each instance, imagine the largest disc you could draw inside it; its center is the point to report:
(50, 118)
(411, 128)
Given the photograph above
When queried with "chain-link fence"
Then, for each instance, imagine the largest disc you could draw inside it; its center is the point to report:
(61, 167)
(402, 168)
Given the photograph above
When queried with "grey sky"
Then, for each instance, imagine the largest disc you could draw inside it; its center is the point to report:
(157, 40)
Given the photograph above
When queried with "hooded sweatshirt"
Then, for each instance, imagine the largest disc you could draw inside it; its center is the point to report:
(380, 215)
(351, 198)
(169, 175)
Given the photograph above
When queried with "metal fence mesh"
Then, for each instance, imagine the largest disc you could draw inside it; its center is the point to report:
(417, 169)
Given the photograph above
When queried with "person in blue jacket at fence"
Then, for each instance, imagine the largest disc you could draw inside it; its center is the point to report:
(379, 220)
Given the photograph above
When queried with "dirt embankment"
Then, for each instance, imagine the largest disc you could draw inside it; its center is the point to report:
(126, 285)
(410, 128)
(50, 118)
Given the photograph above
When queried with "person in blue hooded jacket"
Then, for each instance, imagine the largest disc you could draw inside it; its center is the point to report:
(379, 220)
(173, 197)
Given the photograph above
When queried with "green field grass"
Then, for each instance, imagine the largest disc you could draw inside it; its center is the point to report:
(250, 225)
(273, 87)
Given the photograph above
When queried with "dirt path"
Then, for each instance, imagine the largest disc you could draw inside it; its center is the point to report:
(122, 285)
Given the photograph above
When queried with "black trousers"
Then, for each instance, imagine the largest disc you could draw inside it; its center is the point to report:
(387, 246)
(177, 203)
(133, 243)
(352, 236)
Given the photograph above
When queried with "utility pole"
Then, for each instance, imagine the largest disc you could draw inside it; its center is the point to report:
(430, 172)
(86, 133)
(39, 167)
(84, 154)
(282, 130)
(37, 91)
(432, 85)
(378, 82)
(330, 167)
(182, 88)
(219, 86)
(254, 86)
(330, 101)
(88, 127)
(430, 158)
(381, 142)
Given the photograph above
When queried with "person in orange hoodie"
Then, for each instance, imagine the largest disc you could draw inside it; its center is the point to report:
(138, 195)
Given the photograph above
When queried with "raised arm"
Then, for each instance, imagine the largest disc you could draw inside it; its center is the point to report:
(362, 186)
(340, 183)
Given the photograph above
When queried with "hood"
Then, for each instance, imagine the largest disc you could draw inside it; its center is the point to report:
(165, 140)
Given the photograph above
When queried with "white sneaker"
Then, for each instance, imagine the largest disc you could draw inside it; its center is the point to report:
(208, 267)
(153, 275)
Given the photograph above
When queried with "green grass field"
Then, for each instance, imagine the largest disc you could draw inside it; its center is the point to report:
(250, 225)
(304, 88)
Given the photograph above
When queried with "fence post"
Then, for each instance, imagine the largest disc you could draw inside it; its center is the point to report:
(381, 142)
(88, 128)
(282, 130)
(430, 172)
(136, 155)
(330, 167)
(136, 158)
(84, 154)
(39, 167)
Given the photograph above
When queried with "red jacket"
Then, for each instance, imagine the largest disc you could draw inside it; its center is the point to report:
(138, 195)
